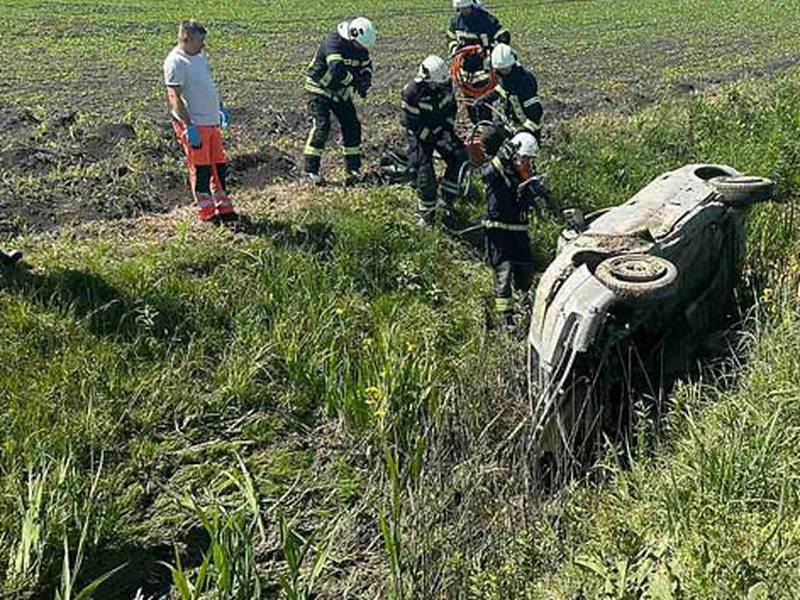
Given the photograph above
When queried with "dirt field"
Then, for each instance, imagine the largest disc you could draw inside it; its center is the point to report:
(85, 134)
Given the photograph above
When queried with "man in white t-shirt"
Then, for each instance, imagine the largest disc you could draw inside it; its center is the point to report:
(196, 117)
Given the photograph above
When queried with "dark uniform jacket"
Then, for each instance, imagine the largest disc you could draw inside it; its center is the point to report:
(339, 68)
(519, 101)
(479, 28)
(505, 208)
(428, 110)
(506, 221)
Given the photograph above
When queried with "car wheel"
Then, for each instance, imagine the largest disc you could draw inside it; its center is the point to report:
(638, 276)
(743, 190)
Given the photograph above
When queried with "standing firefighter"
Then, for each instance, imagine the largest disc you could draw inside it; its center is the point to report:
(196, 118)
(473, 26)
(429, 112)
(519, 107)
(340, 68)
(506, 222)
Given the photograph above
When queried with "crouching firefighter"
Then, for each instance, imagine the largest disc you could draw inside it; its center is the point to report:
(340, 68)
(429, 112)
(509, 198)
(519, 107)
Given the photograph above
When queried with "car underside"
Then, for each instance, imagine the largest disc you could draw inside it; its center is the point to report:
(628, 302)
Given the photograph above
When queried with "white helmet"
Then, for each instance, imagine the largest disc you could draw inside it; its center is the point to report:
(465, 3)
(434, 69)
(359, 30)
(525, 144)
(503, 57)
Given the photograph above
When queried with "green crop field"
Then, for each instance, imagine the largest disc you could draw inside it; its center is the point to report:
(315, 403)
(82, 100)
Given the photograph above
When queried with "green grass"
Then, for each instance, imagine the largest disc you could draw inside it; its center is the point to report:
(317, 397)
(632, 44)
(169, 358)
(343, 355)
(706, 510)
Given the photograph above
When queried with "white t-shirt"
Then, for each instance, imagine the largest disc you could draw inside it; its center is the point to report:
(193, 74)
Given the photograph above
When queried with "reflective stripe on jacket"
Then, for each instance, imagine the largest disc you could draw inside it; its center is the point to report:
(479, 27)
(428, 110)
(338, 68)
(505, 209)
(519, 101)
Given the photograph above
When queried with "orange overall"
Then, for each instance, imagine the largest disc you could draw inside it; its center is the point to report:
(213, 200)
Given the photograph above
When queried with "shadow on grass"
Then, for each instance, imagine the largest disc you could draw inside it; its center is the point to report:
(144, 567)
(106, 310)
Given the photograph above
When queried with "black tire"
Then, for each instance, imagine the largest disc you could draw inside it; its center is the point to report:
(638, 276)
(743, 190)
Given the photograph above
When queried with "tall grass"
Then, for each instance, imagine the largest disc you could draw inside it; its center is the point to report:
(338, 368)
(705, 512)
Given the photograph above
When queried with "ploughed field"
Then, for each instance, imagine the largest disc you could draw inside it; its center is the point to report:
(312, 402)
(85, 130)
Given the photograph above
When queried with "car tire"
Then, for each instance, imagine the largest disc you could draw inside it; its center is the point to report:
(638, 276)
(743, 190)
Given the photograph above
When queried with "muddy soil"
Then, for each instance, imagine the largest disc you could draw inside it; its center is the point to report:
(64, 170)
(68, 167)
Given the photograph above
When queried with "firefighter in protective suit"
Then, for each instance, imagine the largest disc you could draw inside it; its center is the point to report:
(472, 25)
(429, 112)
(519, 107)
(506, 222)
(341, 68)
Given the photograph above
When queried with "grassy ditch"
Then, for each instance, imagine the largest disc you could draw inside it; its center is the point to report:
(315, 403)
(707, 511)
(134, 371)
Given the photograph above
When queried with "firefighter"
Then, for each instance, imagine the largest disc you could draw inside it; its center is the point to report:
(340, 68)
(472, 25)
(518, 108)
(506, 222)
(196, 118)
(429, 113)
(10, 258)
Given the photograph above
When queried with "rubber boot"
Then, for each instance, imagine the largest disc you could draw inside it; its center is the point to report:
(224, 208)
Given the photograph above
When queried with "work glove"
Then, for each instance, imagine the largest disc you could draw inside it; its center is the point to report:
(224, 117)
(193, 137)
(362, 87)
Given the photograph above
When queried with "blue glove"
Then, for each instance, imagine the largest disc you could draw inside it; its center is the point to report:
(193, 136)
(224, 117)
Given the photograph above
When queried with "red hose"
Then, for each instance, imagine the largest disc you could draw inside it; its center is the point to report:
(458, 74)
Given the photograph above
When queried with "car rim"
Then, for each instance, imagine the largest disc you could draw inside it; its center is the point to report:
(638, 269)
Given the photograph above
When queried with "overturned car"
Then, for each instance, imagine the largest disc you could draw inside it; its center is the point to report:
(627, 302)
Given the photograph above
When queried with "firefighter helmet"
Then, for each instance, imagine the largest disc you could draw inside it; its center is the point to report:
(359, 30)
(503, 57)
(434, 70)
(525, 145)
